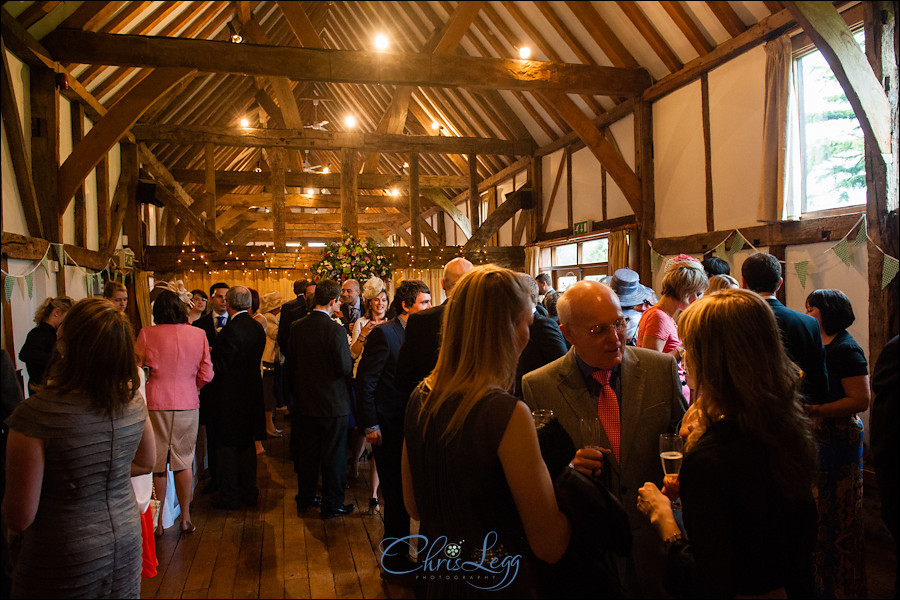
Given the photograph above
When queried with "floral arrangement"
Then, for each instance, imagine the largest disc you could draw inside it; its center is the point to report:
(352, 258)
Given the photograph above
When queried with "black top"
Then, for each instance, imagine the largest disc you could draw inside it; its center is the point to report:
(461, 493)
(843, 358)
(803, 345)
(743, 536)
(545, 344)
(420, 349)
(319, 359)
(36, 350)
(291, 311)
(377, 398)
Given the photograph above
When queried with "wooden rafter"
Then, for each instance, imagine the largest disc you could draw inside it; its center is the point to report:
(688, 26)
(651, 35)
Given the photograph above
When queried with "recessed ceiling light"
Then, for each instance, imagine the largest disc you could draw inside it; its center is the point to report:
(406, 165)
(395, 192)
(435, 125)
(316, 244)
(325, 170)
(381, 42)
(350, 121)
(524, 52)
(245, 123)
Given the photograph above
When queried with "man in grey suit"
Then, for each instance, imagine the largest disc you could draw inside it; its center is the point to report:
(648, 395)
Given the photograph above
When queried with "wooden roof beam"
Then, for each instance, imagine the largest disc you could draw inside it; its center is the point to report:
(651, 35)
(727, 17)
(304, 64)
(688, 27)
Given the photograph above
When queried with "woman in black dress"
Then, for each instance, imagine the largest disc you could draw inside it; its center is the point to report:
(746, 480)
(840, 556)
(39, 342)
(472, 469)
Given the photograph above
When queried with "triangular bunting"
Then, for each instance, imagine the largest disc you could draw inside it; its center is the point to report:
(61, 253)
(889, 270)
(8, 283)
(46, 264)
(29, 284)
(802, 269)
(737, 245)
(720, 249)
(861, 235)
(842, 249)
(656, 260)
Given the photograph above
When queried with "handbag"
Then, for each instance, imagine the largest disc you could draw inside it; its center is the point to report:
(156, 508)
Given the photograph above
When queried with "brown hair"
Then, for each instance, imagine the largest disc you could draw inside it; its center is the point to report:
(112, 287)
(734, 353)
(683, 278)
(96, 356)
(63, 303)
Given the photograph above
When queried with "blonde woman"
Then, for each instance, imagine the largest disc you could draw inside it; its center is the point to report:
(684, 282)
(746, 480)
(39, 342)
(723, 282)
(472, 468)
(116, 293)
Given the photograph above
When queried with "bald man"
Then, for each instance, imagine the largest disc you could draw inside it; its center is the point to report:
(647, 401)
(422, 343)
(351, 304)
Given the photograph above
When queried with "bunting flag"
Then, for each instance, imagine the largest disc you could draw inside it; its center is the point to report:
(45, 262)
(720, 249)
(656, 259)
(802, 269)
(888, 270)
(737, 245)
(29, 284)
(842, 249)
(61, 253)
(861, 235)
(8, 284)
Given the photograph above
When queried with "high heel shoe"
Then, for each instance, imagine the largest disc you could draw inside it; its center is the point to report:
(275, 433)
(373, 506)
(188, 527)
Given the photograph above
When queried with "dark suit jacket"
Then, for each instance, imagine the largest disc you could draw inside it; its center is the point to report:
(208, 325)
(803, 344)
(320, 359)
(541, 309)
(420, 349)
(345, 312)
(236, 408)
(291, 311)
(377, 399)
(545, 345)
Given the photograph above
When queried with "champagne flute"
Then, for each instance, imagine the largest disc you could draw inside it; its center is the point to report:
(542, 417)
(671, 453)
(590, 433)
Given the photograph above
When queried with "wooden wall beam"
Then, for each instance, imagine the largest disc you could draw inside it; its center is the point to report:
(415, 209)
(102, 172)
(344, 66)
(277, 161)
(349, 177)
(126, 189)
(474, 193)
(45, 129)
(23, 247)
(492, 224)
(707, 151)
(80, 206)
(209, 204)
(688, 27)
(651, 35)
(365, 181)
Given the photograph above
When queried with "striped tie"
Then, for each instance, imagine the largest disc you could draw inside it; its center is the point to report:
(608, 411)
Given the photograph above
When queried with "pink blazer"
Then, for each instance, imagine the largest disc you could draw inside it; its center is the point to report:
(178, 357)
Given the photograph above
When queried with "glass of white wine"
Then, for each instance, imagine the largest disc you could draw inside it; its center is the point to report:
(671, 453)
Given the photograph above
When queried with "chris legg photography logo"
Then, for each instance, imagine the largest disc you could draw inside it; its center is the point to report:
(485, 567)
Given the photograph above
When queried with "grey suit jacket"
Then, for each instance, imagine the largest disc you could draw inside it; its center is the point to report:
(651, 403)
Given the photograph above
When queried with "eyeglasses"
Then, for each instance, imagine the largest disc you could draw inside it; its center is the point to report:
(617, 326)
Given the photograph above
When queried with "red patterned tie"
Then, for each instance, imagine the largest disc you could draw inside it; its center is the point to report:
(608, 411)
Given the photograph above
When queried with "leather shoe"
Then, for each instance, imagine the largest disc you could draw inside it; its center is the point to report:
(340, 511)
(305, 506)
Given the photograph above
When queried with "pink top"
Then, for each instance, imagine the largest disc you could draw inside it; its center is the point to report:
(178, 357)
(655, 322)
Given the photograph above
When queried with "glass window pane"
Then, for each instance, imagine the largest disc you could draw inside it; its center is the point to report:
(564, 282)
(566, 255)
(595, 251)
(834, 158)
(593, 277)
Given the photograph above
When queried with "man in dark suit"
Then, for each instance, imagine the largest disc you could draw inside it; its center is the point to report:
(211, 323)
(381, 408)
(545, 344)
(320, 358)
(422, 343)
(351, 304)
(236, 410)
(291, 312)
(800, 333)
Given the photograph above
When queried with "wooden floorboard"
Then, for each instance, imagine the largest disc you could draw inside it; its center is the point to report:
(271, 551)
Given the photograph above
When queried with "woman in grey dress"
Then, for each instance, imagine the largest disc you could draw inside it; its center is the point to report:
(71, 452)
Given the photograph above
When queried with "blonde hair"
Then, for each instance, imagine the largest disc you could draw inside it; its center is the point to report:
(721, 282)
(112, 287)
(479, 322)
(63, 303)
(684, 276)
(734, 353)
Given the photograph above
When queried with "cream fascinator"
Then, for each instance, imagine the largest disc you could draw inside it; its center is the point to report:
(372, 288)
(177, 288)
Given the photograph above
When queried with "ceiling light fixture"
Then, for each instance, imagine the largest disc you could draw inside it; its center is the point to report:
(235, 36)
(381, 42)
(524, 52)
(245, 123)
(324, 170)
(350, 121)
(435, 125)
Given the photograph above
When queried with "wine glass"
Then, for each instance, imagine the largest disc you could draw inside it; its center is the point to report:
(590, 433)
(542, 417)
(671, 453)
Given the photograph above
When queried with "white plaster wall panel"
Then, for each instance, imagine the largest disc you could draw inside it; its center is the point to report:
(21, 84)
(679, 172)
(23, 307)
(506, 230)
(151, 228)
(586, 187)
(65, 149)
(13, 214)
(75, 287)
(90, 201)
(559, 218)
(56, 16)
(623, 133)
(736, 105)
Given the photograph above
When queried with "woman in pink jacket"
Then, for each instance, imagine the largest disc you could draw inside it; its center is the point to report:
(178, 357)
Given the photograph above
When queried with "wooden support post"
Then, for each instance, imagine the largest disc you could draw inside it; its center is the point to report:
(132, 228)
(707, 151)
(533, 224)
(643, 160)
(126, 189)
(45, 149)
(415, 207)
(210, 204)
(570, 220)
(474, 196)
(349, 170)
(102, 172)
(80, 208)
(442, 228)
(276, 161)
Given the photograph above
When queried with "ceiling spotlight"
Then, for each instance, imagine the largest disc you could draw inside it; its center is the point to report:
(524, 52)
(245, 123)
(325, 170)
(350, 121)
(381, 42)
(435, 125)
(310, 191)
(395, 192)
(406, 165)
(235, 36)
